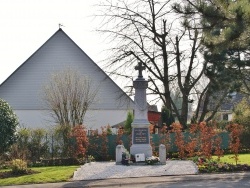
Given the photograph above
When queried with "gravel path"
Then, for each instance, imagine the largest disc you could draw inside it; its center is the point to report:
(106, 170)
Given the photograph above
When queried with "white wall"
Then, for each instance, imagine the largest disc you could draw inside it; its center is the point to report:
(94, 119)
(230, 117)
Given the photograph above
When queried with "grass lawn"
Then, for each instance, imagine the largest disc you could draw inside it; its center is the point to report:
(243, 159)
(47, 174)
(64, 173)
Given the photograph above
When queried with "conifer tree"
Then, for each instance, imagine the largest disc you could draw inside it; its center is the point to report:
(167, 117)
(129, 120)
(225, 27)
(8, 125)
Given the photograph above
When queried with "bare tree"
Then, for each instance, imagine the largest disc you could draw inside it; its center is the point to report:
(69, 95)
(148, 31)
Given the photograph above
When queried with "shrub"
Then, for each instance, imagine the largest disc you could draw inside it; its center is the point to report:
(38, 146)
(234, 146)
(61, 139)
(179, 139)
(218, 151)
(20, 149)
(8, 126)
(18, 166)
(207, 134)
(206, 140)
(164, 138)
(104, 144)
(31, 144)
(120, 132)
(79, 133)
(245, 141)
(241, 114)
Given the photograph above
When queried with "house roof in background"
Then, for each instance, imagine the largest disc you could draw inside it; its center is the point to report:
(232, 100)
(59, 51)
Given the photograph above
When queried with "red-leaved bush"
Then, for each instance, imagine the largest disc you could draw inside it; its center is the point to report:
(234, 146)
(80, 134)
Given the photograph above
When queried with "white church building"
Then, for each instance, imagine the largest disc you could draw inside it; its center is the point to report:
(23, 88)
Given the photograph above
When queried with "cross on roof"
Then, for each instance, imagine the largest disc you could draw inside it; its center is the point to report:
(60, 25)
(140, 68)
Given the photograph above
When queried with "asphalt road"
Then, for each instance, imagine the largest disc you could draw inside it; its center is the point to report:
(244, 183)
(228, 180)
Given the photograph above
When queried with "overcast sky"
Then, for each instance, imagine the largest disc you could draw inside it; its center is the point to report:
(26, 24)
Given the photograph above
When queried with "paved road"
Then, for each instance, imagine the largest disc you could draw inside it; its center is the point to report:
(207, 180)
(244, 183)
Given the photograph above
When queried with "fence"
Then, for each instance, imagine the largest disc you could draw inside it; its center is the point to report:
(156, 140)
(103, 147)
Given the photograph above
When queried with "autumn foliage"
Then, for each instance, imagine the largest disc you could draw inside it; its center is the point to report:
(120, 132)
(79, 133)
(234, 146)
(165, 137)
(179, 139)
(205, 138)
(202, 140)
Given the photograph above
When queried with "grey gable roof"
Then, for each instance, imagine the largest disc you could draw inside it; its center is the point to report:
(22, 89)
(232, 100)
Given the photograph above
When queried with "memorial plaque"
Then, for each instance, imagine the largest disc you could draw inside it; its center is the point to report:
(141, 136)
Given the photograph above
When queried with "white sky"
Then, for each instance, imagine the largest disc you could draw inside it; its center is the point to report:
(26, 24)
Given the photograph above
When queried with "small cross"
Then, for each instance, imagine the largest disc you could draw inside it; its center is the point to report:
(140, 67)
(60, 25)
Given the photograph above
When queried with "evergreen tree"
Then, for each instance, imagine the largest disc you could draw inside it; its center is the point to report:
(167, 117)
(8, 125)
(226, 24)
(225, 27)
(129, 120)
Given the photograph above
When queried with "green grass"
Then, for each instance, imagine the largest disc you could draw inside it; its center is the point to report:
(47, 174)
(64, 173)
(243, 159)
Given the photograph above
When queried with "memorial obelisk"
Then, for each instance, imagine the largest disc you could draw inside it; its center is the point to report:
(140, 125)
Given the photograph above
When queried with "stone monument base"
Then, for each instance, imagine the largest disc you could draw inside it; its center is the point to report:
(141, 148)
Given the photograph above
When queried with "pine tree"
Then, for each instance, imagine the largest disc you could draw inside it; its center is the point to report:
(225, 23)
(225, 26)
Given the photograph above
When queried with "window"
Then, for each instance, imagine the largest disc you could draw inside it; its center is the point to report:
(225, 117)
